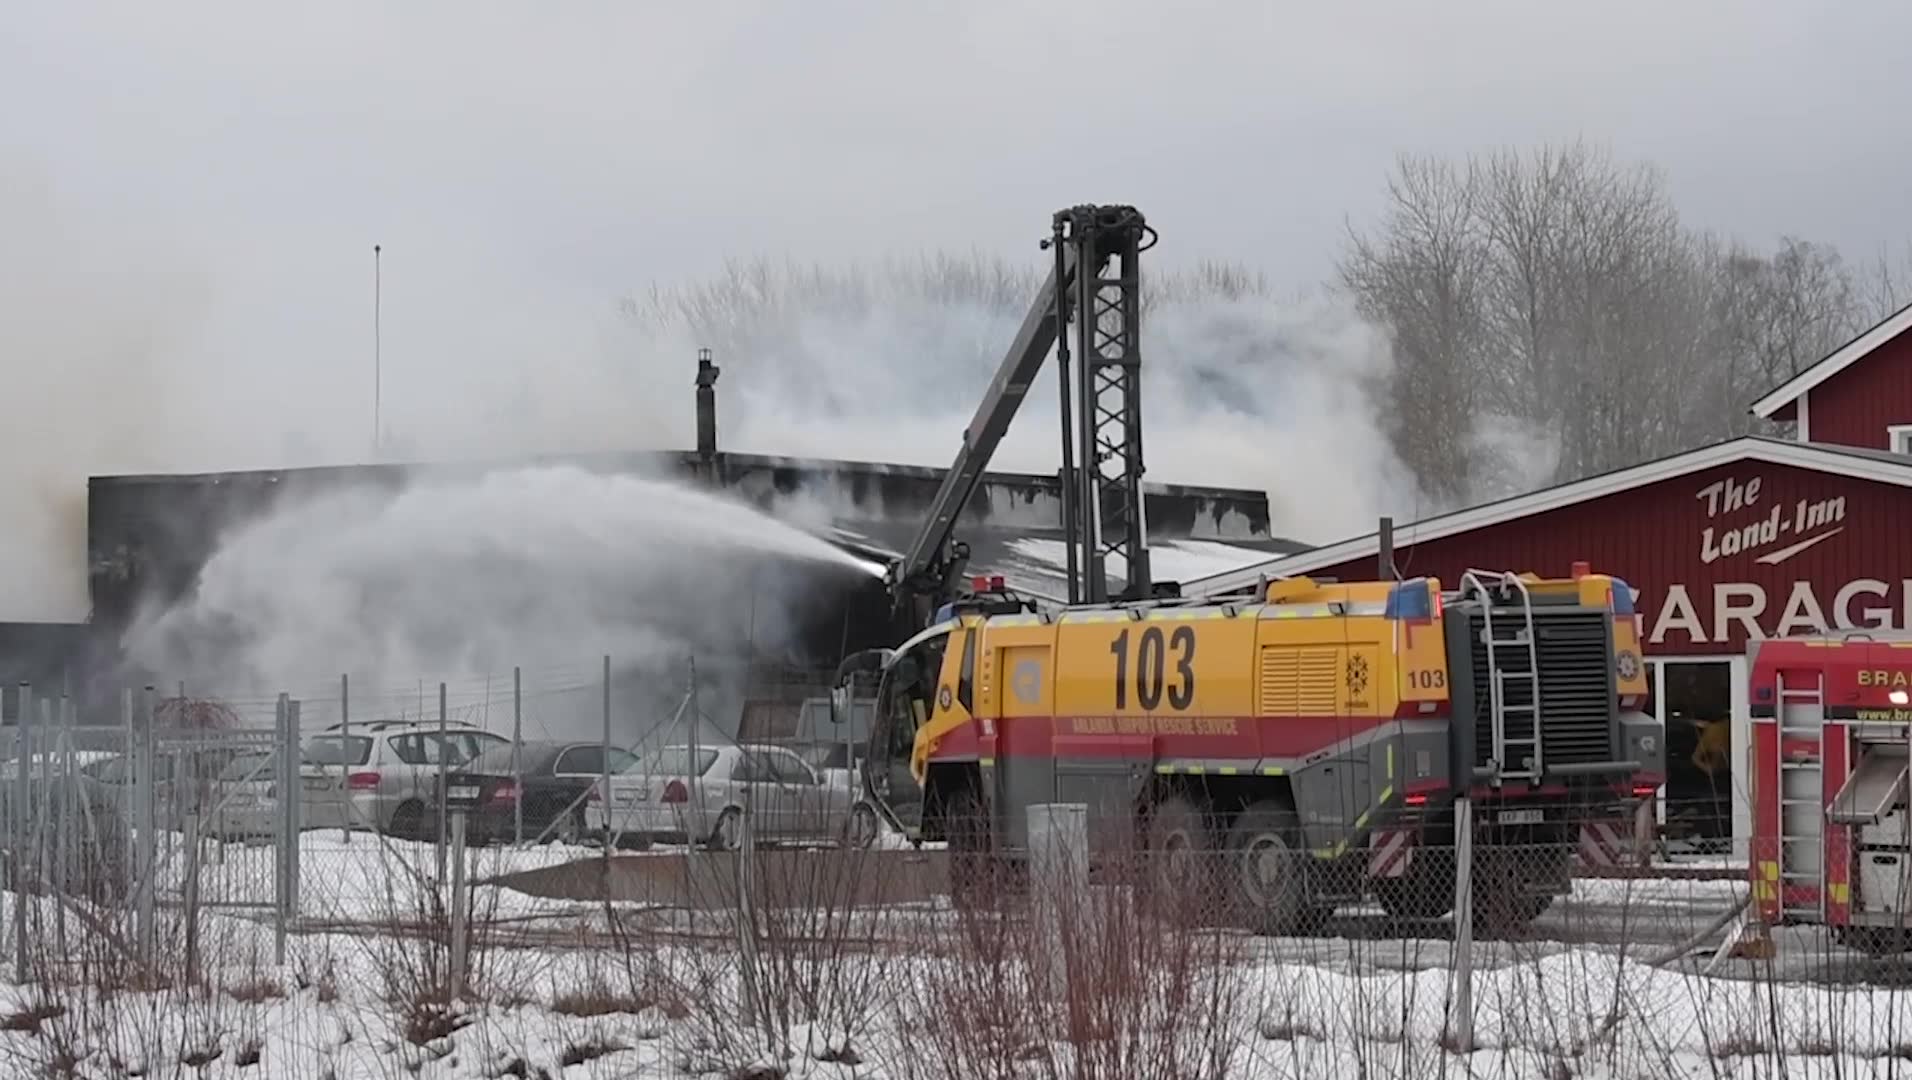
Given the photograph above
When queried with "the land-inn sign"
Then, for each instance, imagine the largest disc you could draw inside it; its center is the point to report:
(1745, 528)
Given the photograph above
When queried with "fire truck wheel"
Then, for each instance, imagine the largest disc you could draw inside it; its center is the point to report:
(1502, 904)
(1176, 847)
(1266, 875)
(970, 864)
(726, 835)
(863, 827)
(1425, 892)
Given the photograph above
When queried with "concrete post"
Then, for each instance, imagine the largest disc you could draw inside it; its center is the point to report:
(194, 826)
(23, 832)
(282, 876)
(517, 764)
(1463, 1018)
(747, 912)
(460, 913)
(444, 741)
(292, 802)
(1058, 879)
(345, 770)
(145, 814)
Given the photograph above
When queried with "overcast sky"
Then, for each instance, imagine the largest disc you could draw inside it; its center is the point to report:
(191, 191)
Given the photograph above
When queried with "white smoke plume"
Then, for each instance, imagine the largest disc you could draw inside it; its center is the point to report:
(458, 580)
(887, 363)
(884, 363)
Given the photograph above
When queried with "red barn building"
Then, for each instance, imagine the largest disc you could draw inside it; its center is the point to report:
(1752, 538)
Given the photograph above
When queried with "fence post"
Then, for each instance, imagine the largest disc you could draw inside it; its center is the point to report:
(293, 801)
(696, 724)
(746, 909)
(282, 877)
(604, 781)
(1463, 1020)
(46, 809)
(517, 764)
(131, 757)
(23, 832)
(444, 742)
(345, 769)
(1058, 880)
(146, 807)
(192, 837)
(460, 913)
(68, 807)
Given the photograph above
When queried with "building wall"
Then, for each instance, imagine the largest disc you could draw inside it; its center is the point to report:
(1854, 407)
(1746, 549)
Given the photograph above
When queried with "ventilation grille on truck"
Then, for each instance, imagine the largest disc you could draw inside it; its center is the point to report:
(1576, 685)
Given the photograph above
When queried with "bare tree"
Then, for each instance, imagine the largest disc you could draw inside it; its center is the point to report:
(1559, 289)
(1422, 276)
(1887, 284)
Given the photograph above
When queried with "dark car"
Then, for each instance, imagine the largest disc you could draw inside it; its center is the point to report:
(554, 779)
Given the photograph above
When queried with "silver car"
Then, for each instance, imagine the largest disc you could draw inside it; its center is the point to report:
(245, 798)
(668, 795)
(383, 776)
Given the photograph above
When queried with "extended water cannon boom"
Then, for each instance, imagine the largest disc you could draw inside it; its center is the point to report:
(1096, 251)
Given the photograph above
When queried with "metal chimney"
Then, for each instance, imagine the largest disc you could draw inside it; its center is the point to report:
(707, 373)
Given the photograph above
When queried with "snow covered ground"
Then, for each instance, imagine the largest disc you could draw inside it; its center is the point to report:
(894, 994)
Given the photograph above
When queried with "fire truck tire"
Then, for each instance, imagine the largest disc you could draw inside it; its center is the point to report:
(726, 834)
(863, 827)
(1265, 873)
(1177, 848)
(970, 862)
(1425, 892)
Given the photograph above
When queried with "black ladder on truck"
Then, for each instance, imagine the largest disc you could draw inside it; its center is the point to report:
(1515, 719)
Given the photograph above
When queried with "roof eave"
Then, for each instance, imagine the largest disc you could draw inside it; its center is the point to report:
(1772, 451)
(1803, 383)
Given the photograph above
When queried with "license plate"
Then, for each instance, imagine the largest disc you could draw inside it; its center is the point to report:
(1522, 817)
(627, 795)
(318, 783)
(462, 792)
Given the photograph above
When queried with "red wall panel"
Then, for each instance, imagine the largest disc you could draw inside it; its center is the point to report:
(1854, 407)
(1752, 547)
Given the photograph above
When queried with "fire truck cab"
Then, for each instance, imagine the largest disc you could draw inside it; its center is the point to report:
(1832, 723)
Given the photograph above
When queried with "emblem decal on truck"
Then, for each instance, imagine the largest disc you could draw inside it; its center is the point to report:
(1627, 664)
(1357, 675)
(1026, 683)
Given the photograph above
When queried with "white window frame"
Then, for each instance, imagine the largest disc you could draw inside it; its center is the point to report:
(1741, 720)
(1898, 438)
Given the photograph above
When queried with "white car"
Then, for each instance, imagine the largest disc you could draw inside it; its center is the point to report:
(384, 775)
(666, 795)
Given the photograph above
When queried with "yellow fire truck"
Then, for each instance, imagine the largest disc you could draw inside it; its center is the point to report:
(1310, 739)
(1310, 742)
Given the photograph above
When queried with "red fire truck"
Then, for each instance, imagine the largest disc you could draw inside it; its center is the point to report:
(1829, 785)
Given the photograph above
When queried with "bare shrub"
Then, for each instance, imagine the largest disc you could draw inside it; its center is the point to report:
(1081, 980)
(779, 954)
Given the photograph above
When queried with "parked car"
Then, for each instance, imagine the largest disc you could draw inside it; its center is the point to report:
(550, 790)
(671, 795)
(96, 842)
(384, 775)
(244, 798)
(183, 780)
(837, 764)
